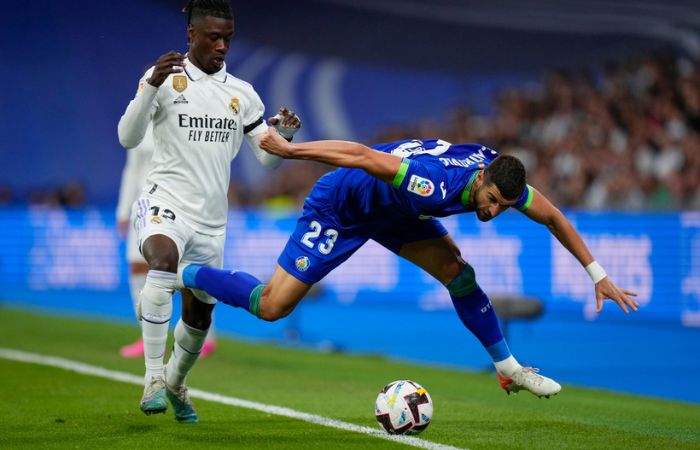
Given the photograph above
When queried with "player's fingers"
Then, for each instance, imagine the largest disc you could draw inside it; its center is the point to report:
(621, 304)
(628, 292)
(287, 114)
(630, 302)
(599, 302)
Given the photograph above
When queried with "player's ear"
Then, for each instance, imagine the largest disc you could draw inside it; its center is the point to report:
(479, 178)
(190, 33)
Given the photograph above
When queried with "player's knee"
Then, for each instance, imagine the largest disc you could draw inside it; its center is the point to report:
(161, 254)
(158, 288)
(464, 282)
(454, 269)
(164, 264)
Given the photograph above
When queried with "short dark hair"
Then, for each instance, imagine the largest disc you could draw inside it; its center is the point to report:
(201, 8)
(508, 174)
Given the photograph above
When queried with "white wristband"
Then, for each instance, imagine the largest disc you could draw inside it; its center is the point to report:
(596, 272)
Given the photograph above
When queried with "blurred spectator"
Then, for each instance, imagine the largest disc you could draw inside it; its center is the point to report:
(72, 194)
(6, 196)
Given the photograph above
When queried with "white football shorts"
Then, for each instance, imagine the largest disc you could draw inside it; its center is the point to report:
(152, 216)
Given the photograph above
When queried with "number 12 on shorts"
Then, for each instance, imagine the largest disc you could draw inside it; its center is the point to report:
(315, 230)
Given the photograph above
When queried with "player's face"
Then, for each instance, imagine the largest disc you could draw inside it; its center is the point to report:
(209, 38)
(488, 202)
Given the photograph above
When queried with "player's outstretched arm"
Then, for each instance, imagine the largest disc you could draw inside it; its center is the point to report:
(542, 211)
(336, 153)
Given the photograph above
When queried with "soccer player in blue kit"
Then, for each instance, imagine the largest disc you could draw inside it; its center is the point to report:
(392, 193)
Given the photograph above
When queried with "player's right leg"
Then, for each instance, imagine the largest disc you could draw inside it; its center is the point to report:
(155, 307)
(438, 255)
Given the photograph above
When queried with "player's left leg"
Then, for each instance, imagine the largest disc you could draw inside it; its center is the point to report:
(269, 301)
(303, 262)
(190, 335)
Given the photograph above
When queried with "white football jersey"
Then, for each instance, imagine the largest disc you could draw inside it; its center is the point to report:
(198, 125)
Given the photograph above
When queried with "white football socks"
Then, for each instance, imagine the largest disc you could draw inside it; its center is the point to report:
(156, 305)
(136, 283)
(188, 343)
(508, 366)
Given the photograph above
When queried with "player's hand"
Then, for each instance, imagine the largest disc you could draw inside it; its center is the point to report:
(122, 228)
(275, 144)
(607, 289)
(171, 62)
(286, 123)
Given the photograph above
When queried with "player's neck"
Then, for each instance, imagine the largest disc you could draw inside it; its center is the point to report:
(198, 65)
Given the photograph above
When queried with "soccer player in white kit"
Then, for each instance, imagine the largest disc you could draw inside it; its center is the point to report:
(200, 115)
(138, 164)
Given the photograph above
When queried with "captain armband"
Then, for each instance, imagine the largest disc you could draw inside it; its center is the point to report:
(596, 272)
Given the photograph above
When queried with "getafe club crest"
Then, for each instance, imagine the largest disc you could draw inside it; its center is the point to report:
(302, 263)
(179, 82)
(234, 105)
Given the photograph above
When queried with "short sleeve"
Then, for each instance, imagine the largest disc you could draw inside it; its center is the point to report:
(423, 185)
(525, 200)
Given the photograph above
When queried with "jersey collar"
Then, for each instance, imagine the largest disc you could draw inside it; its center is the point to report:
(195, 73)
(467, 192)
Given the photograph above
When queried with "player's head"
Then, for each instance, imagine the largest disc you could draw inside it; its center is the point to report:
(209, 32)
(498, 187)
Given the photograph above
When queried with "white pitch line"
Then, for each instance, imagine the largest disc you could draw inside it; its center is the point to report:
(87, 369)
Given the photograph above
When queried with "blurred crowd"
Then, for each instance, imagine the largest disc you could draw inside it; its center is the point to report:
(626, 138)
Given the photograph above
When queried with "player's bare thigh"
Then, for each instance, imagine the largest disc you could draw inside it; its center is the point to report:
(281, 295)
(440, 257)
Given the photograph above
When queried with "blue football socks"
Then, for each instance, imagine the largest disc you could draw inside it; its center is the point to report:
(477, 314)
(238, 289)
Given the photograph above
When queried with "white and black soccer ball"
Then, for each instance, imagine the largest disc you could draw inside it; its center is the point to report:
(404, 407)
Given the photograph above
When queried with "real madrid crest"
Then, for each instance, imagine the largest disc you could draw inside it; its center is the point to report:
(234, 105)
(179, 83)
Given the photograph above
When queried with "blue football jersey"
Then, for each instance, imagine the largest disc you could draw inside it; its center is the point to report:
(434, 180)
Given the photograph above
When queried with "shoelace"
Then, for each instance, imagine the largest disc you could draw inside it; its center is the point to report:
(532, 372)
(181, 393)
(155, 385)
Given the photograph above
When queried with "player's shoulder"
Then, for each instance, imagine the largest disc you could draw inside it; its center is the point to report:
(147, 74)
(236, 83)
(468, 155)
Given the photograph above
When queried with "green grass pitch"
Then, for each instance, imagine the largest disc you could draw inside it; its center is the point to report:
(46, 407)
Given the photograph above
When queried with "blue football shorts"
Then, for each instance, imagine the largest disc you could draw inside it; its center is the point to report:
(320, 243)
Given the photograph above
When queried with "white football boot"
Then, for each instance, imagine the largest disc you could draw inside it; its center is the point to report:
(529, 379)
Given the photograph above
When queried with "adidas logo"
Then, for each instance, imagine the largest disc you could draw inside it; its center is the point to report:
(180, 100)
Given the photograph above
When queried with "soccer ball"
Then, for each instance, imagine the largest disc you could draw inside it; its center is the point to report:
(404, 407)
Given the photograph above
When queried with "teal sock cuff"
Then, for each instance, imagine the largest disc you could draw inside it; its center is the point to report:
(464, 283)
(254, 300)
